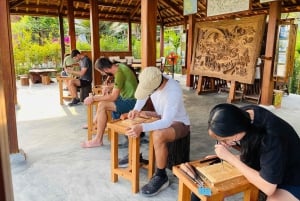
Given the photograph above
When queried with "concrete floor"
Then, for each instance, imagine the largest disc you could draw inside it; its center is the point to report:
(58, 169)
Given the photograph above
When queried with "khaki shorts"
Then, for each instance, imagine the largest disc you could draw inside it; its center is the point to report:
(181, 130)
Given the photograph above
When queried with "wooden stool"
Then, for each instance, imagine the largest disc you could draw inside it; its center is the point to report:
(132, 172)
(60, 81)
(92, 129)
(24, 80)
(84, 92)
(45, 79)
(179, 151)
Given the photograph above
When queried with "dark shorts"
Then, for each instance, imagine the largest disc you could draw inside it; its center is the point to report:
(294, 190)
(84, 83)
(181, 130)
(123, 106)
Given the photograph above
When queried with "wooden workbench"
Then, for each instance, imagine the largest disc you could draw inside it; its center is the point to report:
(219, 192)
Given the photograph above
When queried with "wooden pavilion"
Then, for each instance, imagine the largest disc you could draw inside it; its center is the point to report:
(167, 12)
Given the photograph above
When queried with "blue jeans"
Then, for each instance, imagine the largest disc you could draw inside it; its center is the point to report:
(123, 106)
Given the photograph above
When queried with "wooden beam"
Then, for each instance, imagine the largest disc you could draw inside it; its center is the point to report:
(172, 6)
(267, 78)
(16, 3)
(148, 23)
(135, 10)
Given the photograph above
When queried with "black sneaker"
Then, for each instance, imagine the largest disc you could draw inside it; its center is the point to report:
(123, 162)
(155, 185)
(75, 101)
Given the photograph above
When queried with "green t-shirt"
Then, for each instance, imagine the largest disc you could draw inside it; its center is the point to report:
(126, 81)
(68, 61)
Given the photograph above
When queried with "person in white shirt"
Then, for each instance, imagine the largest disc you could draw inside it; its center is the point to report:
(174, 123)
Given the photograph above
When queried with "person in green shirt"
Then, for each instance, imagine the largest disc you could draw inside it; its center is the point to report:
(120, 100)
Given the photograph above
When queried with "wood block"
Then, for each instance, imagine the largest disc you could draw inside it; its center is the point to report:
(137, 120)
(219, 173)
(45, 79)
(24, 81)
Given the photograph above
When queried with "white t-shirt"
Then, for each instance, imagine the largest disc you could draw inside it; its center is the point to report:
(168, 103)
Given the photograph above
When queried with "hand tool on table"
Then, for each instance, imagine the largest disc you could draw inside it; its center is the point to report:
(191, 171)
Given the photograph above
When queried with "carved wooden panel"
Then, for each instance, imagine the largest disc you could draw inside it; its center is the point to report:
(228, 49)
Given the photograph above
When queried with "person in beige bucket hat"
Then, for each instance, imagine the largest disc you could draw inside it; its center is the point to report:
(166, 96)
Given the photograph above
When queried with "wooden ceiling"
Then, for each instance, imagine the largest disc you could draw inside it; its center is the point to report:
(170, 12)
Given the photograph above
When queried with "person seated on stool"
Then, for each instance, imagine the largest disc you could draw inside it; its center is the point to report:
(85, 75)
(68, 62)
(120, 100)
(174, 123)
(269, 148)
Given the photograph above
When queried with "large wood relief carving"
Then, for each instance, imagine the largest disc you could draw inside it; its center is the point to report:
(228, 49)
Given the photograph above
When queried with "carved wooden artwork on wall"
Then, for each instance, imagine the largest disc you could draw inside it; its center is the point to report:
(228, 49)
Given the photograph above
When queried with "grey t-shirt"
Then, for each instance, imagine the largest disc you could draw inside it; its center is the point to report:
(85, 62)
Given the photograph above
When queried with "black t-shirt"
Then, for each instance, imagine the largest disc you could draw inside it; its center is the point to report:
(280, 148)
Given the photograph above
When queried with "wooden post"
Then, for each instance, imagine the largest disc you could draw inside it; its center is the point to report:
(71, 24)
(189, 50)
(231, 95)
(148, 23)
(8, 131)
(7, 72)
(130, 37)
(162, 40)
(62, 38)
(94, 19)
(267, 78)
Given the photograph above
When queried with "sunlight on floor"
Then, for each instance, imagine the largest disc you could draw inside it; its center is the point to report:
(37, 101)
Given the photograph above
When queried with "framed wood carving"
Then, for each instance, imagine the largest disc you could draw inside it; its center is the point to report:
(219, 7)
(228, 49)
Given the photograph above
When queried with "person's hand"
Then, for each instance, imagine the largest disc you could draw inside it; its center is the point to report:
(222, 152)
(144, 114)
(88, 100)
(134, 131)
(69, 70)
(133, 113)
(105, 90)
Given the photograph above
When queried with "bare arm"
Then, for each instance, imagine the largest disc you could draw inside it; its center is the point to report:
(251, 174)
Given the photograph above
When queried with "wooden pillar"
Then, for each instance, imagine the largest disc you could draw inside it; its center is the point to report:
(71, 22)
(8, 132)
(148, 23)
(8, 72)
(162, 40)
(130, 37)
(62, 37)
(190, 37)
(94, 23)
(267, 78)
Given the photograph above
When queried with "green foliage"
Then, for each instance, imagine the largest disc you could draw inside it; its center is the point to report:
(112, 43)
(34, 44)
(83, 46)
(136, 47)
